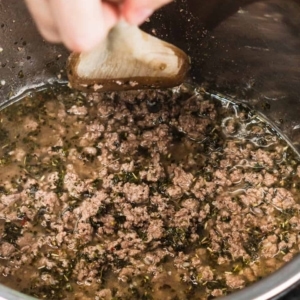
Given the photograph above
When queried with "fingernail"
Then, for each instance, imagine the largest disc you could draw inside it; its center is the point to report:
(140, 15)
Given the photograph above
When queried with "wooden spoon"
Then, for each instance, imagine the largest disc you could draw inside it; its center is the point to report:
(128, 59)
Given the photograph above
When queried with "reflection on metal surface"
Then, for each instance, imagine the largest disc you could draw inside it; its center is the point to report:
(26, 60)
(247, 49)
(254, 55)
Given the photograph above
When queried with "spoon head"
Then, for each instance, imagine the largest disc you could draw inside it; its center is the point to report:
(128, 59)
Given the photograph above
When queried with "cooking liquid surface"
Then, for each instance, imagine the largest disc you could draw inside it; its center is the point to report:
(142, 195)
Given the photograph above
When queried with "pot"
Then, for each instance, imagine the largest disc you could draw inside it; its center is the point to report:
(244, 49)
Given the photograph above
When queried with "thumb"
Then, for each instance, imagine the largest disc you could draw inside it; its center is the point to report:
(82, 24)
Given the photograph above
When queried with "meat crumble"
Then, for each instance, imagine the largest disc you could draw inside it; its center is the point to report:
(142, 195)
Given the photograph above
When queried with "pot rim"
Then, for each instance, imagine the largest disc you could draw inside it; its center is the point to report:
(275, 285)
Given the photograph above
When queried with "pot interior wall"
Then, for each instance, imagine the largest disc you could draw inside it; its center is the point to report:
(246, 49)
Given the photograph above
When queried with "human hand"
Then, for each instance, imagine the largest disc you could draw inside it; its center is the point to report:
(82, 24)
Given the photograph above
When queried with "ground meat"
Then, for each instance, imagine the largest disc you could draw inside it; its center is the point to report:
(236, 176)
(206, 273)
(190, 125)
(78, 110)
(83, 231)
(182, 218)
(19, 154)
(199, 189)
(8, 200)
(263, 157)
(72, 182)
(90, 207)
(154, 173)
(93, 132)
(49, 200)
(269, 179)
(155, 230)
(182, 179)
(270, 246)
(6, 249)
(175, 192)
(217, 293)
(30, 124)
(135, 216)
(138, 195)
(282, 199)
(104, 295)
(253, 178)
(127, 167)
(234, 281)
(295, 223)
(112, 141)
(221, 178)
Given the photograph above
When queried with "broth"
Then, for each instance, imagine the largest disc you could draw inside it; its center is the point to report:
(142, 195)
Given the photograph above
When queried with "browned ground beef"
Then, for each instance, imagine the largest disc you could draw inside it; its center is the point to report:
(142, 195)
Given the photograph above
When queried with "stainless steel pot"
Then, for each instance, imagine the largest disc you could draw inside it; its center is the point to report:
(246, 49)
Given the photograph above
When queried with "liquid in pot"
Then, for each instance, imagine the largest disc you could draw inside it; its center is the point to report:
(142, 195)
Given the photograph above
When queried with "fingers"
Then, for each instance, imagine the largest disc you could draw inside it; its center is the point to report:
(137, 11)
(83, 24)
(79, 24)
(41, 12)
